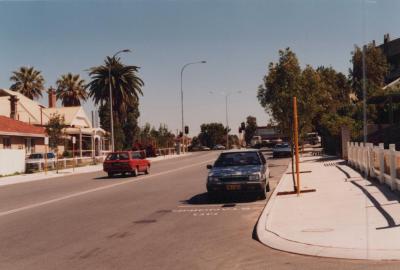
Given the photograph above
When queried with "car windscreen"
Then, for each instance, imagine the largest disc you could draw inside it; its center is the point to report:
(238, 159)
(118, 156)
(136, 155)
(35, 156)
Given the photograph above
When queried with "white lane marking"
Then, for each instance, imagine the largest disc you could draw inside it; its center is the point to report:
(97, 189)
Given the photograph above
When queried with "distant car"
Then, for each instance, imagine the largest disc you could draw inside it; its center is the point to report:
(193, 148)
(123, 162)
(219, 147)
(281, 150)
(36, 161)
(239, 171)
(204, 148)
(313, 138)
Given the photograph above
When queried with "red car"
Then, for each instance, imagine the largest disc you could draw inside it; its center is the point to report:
(124, 162)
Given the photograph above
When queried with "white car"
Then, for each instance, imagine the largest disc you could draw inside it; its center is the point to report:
(36, 161)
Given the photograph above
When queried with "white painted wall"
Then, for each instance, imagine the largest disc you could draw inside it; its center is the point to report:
(12, 161)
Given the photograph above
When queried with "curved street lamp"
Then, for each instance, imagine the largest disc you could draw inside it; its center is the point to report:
(183, 68)
(111, 102)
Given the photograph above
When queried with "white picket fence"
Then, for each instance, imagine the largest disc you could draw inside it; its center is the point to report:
(376, 161)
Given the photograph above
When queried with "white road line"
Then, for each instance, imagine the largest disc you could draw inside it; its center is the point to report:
(98, 189)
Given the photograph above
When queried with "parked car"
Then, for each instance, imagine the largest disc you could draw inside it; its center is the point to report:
(239, 171)
(313, 138)
(122, 162)
(204, 148)
(219, 147)
(36, 161)
(281, 150)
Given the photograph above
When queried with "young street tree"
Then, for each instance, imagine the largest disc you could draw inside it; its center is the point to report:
(71, 90)
(126, 88)
(54, 130)
(28, 82)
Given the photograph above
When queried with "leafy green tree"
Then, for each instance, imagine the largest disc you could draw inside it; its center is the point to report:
(71, 90)
(212, 134)
(28, 82)
(282, 82)
(376, 70)
(55, 130)
(250, 129)
(323, 98)
(196, 141)
(131, 127)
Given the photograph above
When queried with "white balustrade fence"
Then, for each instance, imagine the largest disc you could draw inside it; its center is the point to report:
(376, 161)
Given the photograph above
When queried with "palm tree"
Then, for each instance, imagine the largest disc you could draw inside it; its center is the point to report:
(71, 89)
(126, 85)
(28, 82)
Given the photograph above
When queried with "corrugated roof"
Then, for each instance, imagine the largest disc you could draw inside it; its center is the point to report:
(10, 126)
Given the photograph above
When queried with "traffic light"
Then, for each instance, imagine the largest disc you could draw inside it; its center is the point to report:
(243, 126)
(186, 130)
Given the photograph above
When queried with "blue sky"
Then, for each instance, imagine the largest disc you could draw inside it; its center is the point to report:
(237, 38)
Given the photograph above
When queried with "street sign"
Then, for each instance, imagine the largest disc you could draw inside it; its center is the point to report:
(73, 140)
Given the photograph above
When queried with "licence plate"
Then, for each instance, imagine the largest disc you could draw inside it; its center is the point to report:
(232, 187)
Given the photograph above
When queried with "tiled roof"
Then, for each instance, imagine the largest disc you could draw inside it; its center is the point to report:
(13, 127)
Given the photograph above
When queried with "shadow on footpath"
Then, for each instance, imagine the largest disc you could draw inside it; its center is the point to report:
(229, 200)
(389, 219)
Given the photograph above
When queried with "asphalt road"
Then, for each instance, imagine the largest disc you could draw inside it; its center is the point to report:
(159, 221)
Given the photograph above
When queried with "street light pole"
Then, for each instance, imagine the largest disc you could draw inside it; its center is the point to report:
(182, 69)
(111, 101)
(226, 113)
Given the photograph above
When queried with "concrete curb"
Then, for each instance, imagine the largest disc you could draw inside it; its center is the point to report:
(277, 242)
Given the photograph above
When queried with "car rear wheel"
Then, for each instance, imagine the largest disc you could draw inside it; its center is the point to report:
(147, 171)
(110, 174)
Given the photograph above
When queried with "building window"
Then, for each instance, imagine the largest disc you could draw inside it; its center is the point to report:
(6, 143)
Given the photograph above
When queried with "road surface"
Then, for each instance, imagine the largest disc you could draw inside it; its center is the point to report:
(159, 221)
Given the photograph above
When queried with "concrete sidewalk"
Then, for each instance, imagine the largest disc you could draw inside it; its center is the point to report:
(347, 216)
(22, 178)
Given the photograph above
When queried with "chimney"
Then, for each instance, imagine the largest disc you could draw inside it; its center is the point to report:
(13, 107)
(386, 38)
(52, 98)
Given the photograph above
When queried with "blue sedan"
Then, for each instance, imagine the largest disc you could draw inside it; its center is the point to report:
(239, 171)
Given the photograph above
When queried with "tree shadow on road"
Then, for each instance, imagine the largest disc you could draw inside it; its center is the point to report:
(229, 200)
